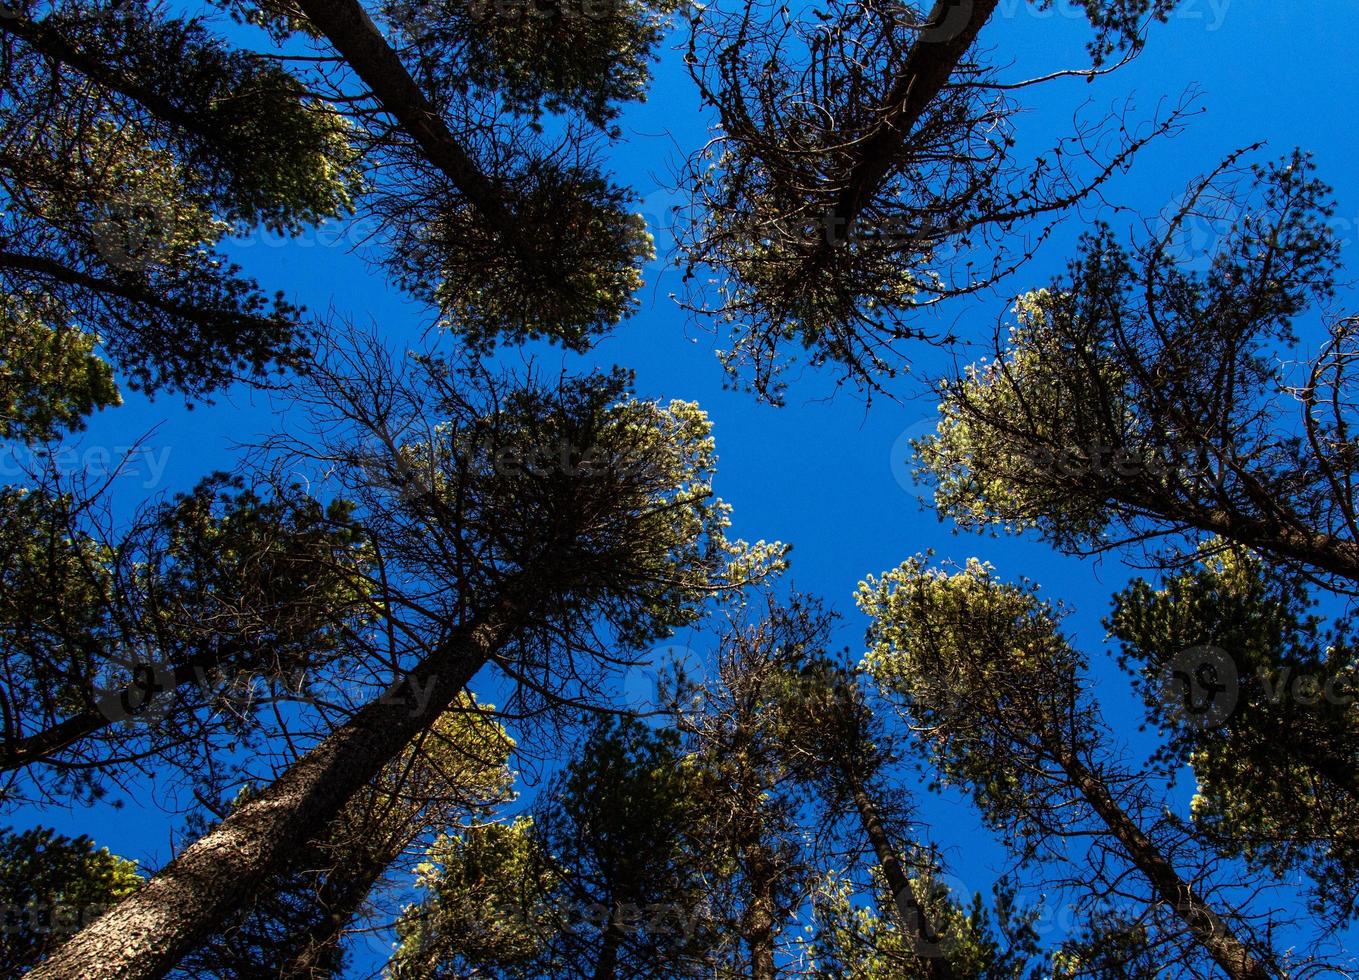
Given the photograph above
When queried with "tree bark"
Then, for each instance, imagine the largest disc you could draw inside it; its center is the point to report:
(757, 925)
(145, 935)
(1206, 926)
(911, 916)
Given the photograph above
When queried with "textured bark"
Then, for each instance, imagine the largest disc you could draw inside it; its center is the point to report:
(1206, 926)
(354, 35)
(911, 916)
(146, 934)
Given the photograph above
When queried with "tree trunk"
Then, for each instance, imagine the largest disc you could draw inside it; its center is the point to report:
(949, 31)
(357, 39)
(146, 934)
(1206, 926)
(911, 917)
(757, 924)
(606, 966)
(340, 898)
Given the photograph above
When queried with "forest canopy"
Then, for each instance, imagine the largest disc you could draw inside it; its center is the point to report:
(467, 664)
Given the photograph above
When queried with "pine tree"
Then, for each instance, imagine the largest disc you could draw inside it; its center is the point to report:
(983, 672)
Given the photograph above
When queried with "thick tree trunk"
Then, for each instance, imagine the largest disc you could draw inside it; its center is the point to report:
(1206, 926)
(354, 35)
(911, 916)
(146, 934)
(758, 922)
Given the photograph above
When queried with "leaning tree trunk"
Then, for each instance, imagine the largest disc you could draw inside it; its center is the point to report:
(146, 934)
(950, 29)
(911, 916)
(339, 900)
(1206, 926)
(347, 26)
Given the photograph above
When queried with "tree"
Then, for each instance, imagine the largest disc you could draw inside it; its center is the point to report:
(133, 142)
(983, 672)
(564, 553)
(295, 927)
(1139, 399)
(829, 739)
(50, 887)
(1274, 760)
(507, 239)
(854, 942)
(749, 798)
(118, 648)
(864, 170)
(486, 910)
(619, 891)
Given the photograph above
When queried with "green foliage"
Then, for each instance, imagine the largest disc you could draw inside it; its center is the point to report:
(486, 908)
(555, 55)
(570, 272)
(223, 583)
(605, 871)
(50, 379)
(981, 667)
(1140, 396)
(132, 142)
(852, 941)
(51, 886)
(1275, 775)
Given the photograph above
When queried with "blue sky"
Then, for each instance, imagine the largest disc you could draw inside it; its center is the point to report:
(830, 476)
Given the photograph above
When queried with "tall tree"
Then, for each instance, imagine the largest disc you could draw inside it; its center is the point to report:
(982, 670)
(1261, 709)
(545, 559)
(296, 926)
(621, 892)
(750, 800)
(833, 742)
(864, 169)
(1138, 397)
(855, 942)
(133, 141)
